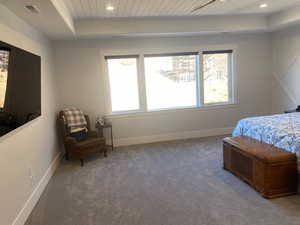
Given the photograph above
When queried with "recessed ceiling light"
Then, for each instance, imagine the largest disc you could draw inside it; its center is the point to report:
(263, 5)
(222, 0)
(110, 8)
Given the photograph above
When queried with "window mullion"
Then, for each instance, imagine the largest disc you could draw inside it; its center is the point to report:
(107, 89)
(200, 80)
(197, 67)
(231, 93)
(142, 84)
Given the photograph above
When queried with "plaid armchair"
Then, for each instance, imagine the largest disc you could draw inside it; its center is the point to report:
(81, 149)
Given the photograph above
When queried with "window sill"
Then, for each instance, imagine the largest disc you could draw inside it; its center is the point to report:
(172, 110)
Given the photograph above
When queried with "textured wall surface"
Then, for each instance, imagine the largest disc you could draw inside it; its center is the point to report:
(286, 69)
(27, 152)
(80, 70)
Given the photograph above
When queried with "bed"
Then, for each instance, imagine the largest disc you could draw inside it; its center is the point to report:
(280, 130)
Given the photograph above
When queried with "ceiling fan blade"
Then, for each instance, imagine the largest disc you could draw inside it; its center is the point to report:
(204, 5)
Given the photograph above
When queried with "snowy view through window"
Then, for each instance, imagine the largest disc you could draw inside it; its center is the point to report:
(4, 56)
(170, 81)
(123, 84)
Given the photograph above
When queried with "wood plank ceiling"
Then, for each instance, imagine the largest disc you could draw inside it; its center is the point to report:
(82, 9)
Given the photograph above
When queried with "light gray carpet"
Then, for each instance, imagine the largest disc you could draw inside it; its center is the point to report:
(171, 183)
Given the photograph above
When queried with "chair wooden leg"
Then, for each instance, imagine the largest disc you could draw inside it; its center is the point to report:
(82, 162)
(105, 152)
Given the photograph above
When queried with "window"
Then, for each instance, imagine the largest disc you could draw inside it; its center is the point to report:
(123, 82)
(170, 81)
(216, 68)
(148, 82)
(4, 58)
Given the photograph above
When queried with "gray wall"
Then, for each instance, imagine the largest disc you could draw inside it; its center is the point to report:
(286, 69)
(81, 82)
(29, 150)
(74, 76)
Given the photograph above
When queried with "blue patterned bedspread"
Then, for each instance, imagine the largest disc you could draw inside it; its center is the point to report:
(281, 130)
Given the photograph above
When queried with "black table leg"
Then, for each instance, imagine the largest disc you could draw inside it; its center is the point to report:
(112, 139)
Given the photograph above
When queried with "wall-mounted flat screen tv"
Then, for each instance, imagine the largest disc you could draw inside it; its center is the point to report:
(20, 87)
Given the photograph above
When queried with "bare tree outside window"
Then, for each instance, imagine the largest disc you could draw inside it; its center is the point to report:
(215, 76)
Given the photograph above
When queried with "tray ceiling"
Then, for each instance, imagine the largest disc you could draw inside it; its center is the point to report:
(82, 9)
(72, 19)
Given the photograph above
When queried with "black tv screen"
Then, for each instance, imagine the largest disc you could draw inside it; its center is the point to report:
(20, 87)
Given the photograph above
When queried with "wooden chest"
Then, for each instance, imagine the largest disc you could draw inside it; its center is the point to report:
(271, 171)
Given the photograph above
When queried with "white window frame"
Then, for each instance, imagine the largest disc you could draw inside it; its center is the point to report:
(232, 89)
(197, 84)
(231, 85)
(139, 81)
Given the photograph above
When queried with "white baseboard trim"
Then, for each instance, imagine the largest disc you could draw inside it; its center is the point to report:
(36, 194)
(172, 136)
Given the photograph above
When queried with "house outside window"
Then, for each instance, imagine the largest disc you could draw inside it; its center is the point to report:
(4, 59)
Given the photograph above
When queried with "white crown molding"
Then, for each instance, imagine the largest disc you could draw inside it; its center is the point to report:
(65, 13)
(284, 18)
(169, 26)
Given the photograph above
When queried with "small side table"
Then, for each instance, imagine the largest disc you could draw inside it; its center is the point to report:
(100, 129)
